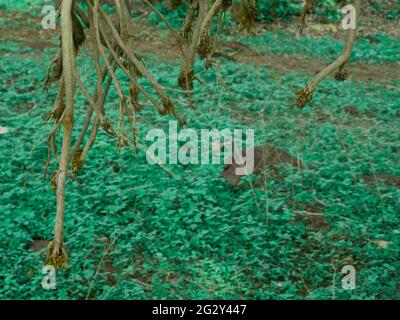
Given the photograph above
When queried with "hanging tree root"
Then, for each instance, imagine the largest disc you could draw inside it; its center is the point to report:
(56, 254)
(113, 50)
(194, 35)
(305, 96)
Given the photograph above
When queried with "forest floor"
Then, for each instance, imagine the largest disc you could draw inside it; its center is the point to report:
(135, 232)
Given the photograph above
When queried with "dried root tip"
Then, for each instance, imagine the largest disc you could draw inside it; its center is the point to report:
(48, 116)
(78, 32)
(343, 73)
(134, 95)
(168, 106)
(248, 17)
(182, 122)
(304, 97)
(55, 114)
(186, 80)
(77, 162)
(107, 127)
(53, 181)
(57, 260)
(205, 47)
(55, 70)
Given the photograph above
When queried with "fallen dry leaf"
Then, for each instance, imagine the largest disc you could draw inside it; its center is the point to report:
(380, 243)
(3, 130)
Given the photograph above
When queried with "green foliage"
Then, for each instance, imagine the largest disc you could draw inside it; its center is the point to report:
(325, 9)
(282, 10)
(387, 48)
(278, 9)
(195, 237)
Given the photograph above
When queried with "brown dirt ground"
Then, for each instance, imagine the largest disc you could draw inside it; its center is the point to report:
(29, 34)
(387, 179)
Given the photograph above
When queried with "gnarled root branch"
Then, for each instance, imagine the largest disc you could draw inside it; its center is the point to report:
(57, 256)
(304, 96)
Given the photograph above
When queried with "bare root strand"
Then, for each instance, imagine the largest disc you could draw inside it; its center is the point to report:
(200, 40)
(77, 152)
(56, 256)
(188, 22)
(308, 5)
(113, 51)
(305, 96)
(55, 66)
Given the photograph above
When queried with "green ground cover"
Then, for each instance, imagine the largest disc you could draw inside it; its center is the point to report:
(135, 232)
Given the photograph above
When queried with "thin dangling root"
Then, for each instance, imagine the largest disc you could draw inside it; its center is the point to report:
(305, 96)
(77, 162)
(58, 259)
(307, 6)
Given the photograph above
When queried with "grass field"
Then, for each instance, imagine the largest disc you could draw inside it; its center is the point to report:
(135, 232)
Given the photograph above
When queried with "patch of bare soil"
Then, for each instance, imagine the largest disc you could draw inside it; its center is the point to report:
(316, 221)
(24, 28)
(387, 179)
(265, 157)
(315, 218)
(236, 51)
(38, 245)
(151, 40)
(283, 63)
(40, 45)
(384, 72)
(352, 111)
(311, 214)
(23, 107)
